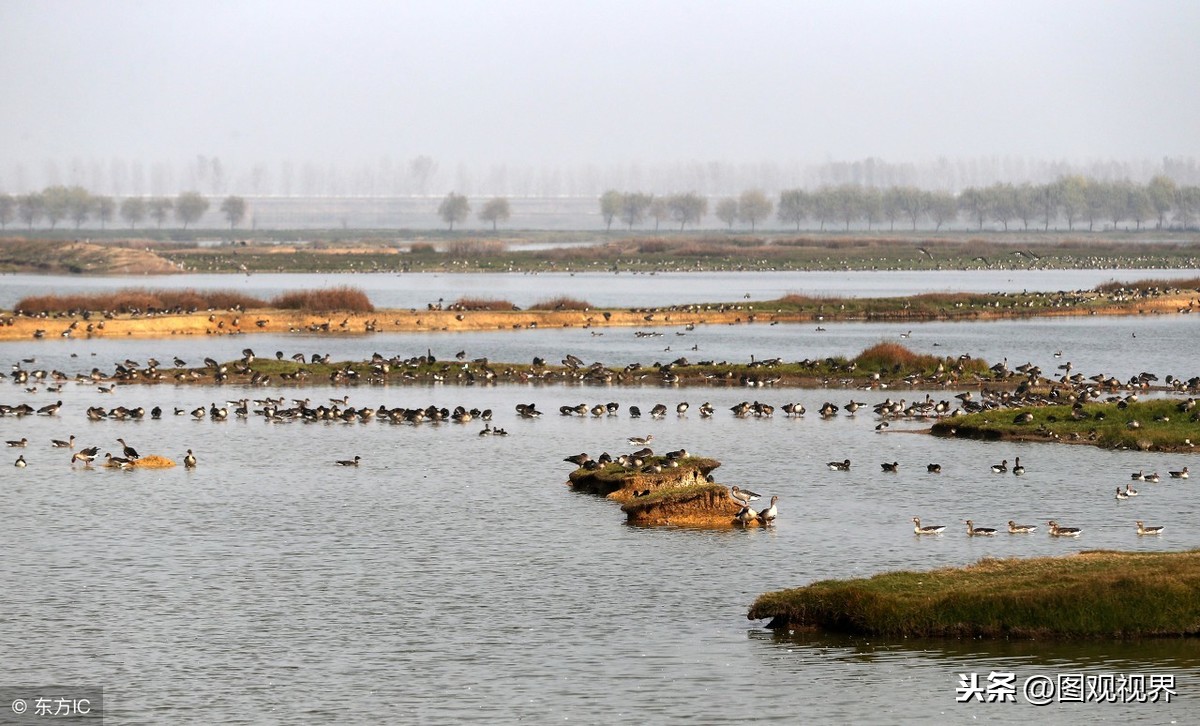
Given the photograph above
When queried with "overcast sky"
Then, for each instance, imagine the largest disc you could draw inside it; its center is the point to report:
(564, 81)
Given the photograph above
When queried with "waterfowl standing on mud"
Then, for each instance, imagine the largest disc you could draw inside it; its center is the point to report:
(745, 516)
(767, 516)
(1142, 529)
(927, 529)
(1014, 528)
(973, 531)
(130, 452)
(743, 496)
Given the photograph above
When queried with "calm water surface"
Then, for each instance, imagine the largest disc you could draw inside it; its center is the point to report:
(416, 290)
(453, 577)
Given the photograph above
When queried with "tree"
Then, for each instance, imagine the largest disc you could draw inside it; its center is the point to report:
(973, 202)
(160, 208)
(1026, 203)
(870, 205)
(8, 210)
(911, 201)
(634, 206)
(454, 208)
(753, 207)
(1000, 202)
(610, 207)
(1072, 198)
(659, 211)
(1096, 201)
(234, 209)
(847, 203)
(190, 207)
(941, 207)
(54, 204)
(79, 205)
(727, 211)
(496, 210)
(1161, 191)
(793, 207)
(1047, 203)
(105, 208)
(133, 210)
(31, 207)
(1140, 204)
(687, 208)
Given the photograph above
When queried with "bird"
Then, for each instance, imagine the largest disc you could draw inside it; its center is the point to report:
(1018, 469)
(1153, 478)
(578, 459)
(973, 531)
(1138, 475)
(20, 444)
(349, 462)
(746, 515)
(640, 441)
(839, 465)
(189, 460)
(60, 444)
(1142, 529)
(129, 451)
(890, 468)
(1130, 491)
(1181, 474)
(1057, 531)
(20, 462)
(927, 529)
(767, 516)
(934, 468)
(744, 496)
(1014, 528)
(1000, 468)
(1121, 494)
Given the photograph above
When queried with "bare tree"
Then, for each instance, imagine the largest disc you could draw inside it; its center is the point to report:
(190, 207)
(727, 211)
(610, 207)
(234, 209)
(454, 208)
(496, 210)
(133, 211)
(753, 207)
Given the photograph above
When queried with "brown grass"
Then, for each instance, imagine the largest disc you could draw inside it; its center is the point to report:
(476, 248)
(422, 248)
(561, 303)
(482, 303)
(1192, 283)
(140, 300)
(343, 298)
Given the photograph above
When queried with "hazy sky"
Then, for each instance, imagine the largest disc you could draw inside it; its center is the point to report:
(565, 81)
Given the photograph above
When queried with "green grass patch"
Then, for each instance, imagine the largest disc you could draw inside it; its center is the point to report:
(1092, 594)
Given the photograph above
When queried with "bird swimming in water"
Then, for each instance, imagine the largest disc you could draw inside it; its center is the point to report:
(349, 462)
(20, 462)
(1142, 529)
(927, 529)
(1014, 528)
(189, 460)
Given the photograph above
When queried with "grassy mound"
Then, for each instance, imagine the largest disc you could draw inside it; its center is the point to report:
(1092, 594)
(153, 462)
(1160, 425)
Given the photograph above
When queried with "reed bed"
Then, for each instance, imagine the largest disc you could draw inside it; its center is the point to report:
(139, 300)
(561, 303)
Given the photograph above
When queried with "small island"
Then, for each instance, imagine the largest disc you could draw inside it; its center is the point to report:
(663, 491)
(1095, 594)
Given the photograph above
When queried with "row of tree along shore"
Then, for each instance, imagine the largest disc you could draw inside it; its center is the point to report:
(1076, 201)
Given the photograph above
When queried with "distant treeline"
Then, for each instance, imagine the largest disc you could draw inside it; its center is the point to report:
(1074, 201)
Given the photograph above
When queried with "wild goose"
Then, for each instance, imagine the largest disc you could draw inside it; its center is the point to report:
(744, 496)
(1130, 491)
(891, 468)
(767, 516)
(20, 444)
(1181, 474)
(746, 515)
(60, 444)
(973, 531)
(934, 468)
(20, 462)
(1142, 529)
(349, 462)
(130, 452)
(839, 465)
(189, 460)
(1057, 531)
(1000, 468)
(641, 440)
(1153, 478)
(1014, 528)
(927, 529)
(1018, 469)
(1121, 494)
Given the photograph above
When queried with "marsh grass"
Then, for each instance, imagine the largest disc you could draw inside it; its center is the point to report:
(140, 300)
(561, 303)
(1092, 594)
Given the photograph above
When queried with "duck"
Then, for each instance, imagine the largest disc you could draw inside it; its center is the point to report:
(1018, 469)
(60, 444)
(934, 468)
(927, 529)
(1181, 474)
(1142, 529)
(1153, 478)
(189, 460)
(349, 462)
(19, 444)
(1130, 491)
(890, 468)
(1014, 528)
(1000, 468)
(20, 462)
(743, 496)
(1057, 531)
(640, 440)
(973, 531)
(1121, 494)
(1138, 476)
(767, 516)
(839, 465)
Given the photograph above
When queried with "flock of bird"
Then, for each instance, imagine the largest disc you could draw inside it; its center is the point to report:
(1056, 530)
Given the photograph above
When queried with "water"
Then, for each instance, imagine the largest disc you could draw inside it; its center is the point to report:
(416, 290)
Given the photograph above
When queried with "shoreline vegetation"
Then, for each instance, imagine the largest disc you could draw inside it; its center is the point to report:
(661, 490)
(349, 251)
(1093, 594)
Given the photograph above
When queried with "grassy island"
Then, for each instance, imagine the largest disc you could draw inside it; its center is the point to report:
(1097, 594)
(1156, 425)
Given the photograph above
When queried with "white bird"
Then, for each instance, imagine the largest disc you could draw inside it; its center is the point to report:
(20, 462)
(767, 516)
(1121, 494)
